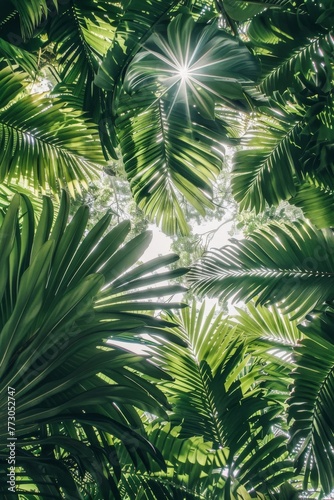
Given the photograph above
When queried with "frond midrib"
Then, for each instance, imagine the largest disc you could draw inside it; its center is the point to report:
(292, 58)
(62, 150)
(82, 38)
(268, 273)
(265, 163)
(207, 396)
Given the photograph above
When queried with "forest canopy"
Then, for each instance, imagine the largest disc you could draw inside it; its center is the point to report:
(119, 114)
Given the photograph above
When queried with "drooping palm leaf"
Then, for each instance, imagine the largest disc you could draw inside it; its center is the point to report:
(165, 160)
(62, 297)
(285, 149)
(44, 140)
(32, 13)
(294, 138)
(292, 43)
(15, 55)
(265, 170)
(311, 405)
(290, 265)
(82, 32)
(267, 325)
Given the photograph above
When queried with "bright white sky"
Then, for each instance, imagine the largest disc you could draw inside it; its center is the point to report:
(161, 243)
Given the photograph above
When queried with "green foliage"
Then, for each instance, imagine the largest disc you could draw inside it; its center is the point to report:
(216, 393)
(311, 404)
(82, 32)
(169, 135)
(163, 89)
(45, 141)
(192, 469)
(287, 150)
(62, 297)
(289, 265)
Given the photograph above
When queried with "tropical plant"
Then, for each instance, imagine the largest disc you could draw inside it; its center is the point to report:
(164, 90)
(311, 403)
(217, 393)
(39, 138)
(193, 468)
(290, 265)
(287, 151)
(66, 299)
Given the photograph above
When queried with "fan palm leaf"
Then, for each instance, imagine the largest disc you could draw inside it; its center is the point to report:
(136, 25)
(62, 297)
(290, 265)
(194, 64)
(168, 132)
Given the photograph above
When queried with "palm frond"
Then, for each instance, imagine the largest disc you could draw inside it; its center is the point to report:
(265, 169)
(271, 339)
(62, 296)
(311, 405)
(18, 56)
(136, 25)
(290, 265)
(316, 202)
(242, 11)
(215, 394)
(192, 469)
(82, 33)
(169, 134)
(44, 139)
(7, 192)
(268, 325)
(166, 159)
(32, 13)
(287, 42)
(201, 66)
